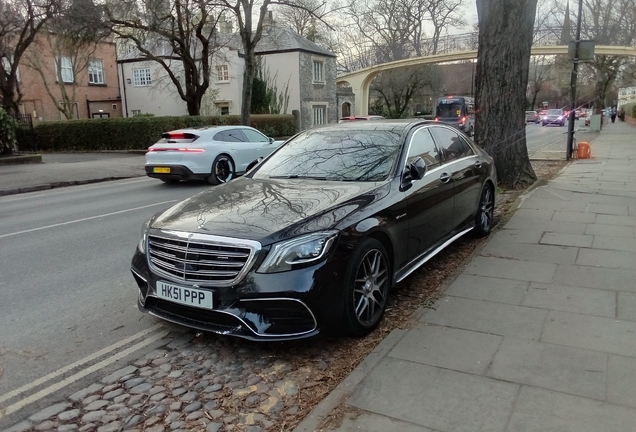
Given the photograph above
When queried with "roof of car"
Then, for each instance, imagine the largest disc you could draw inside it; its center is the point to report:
(210, 129)
(386, 124)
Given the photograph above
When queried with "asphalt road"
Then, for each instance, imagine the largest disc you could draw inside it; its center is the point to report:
(66, 291)
(550, 138)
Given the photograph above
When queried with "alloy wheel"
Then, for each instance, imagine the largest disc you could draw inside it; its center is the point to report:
(486, 209)
(371, 287)
(224, 169)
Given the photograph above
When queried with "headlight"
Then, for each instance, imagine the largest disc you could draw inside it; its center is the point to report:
(305, 249)
(144, 234)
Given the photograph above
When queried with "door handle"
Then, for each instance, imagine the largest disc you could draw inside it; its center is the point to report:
(478, 164)
(445, 177)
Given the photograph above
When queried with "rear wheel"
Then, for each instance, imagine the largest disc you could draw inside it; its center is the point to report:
(368, 279)
(222, 170)
(485, 212)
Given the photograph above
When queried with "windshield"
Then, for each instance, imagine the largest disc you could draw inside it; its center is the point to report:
(339, 155)
(449, 110)
(554, 112)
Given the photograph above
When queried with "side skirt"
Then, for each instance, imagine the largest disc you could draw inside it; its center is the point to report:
(419, 261)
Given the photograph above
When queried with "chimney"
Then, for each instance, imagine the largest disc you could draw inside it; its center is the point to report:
(226, 27)
(269, 20)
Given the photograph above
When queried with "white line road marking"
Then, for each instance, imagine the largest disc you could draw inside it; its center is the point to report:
(86, 219)
(81, 374)
(72, 366)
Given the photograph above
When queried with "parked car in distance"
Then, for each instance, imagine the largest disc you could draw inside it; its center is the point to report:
(554, 116)
(213, 153)
(314, 238)
(357, 118)
(532, 117)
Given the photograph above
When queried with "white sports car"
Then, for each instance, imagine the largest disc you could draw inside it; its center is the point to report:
(213, 153)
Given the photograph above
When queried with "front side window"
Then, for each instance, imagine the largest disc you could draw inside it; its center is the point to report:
(66, 69)
(141, 77)
(254, 136)
(222, 73)
(95, 72)
(422, 145)
(452, 145)
(336, 155)
(319, 115)
(318, 71)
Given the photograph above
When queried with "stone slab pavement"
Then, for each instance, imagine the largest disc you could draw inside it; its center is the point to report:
(538, 333)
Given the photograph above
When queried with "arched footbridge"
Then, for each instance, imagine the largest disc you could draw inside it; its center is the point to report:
(360, 80)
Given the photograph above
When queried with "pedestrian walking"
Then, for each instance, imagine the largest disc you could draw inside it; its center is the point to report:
(613, 115)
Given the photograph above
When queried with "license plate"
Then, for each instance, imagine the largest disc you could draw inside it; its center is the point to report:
(162, 170)
(183, 295)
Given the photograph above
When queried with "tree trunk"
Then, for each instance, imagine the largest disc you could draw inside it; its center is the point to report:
(248, 79)
(503, 59)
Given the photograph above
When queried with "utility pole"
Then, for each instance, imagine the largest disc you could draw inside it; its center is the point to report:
(573, 78)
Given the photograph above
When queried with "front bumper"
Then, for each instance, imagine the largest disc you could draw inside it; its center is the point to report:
(279, 306)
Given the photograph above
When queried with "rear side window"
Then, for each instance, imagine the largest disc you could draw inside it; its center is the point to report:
(230, 135)
(452, 145)
(422, 145)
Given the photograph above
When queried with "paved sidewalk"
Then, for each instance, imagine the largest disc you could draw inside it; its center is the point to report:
(539, 331)
(64, 169)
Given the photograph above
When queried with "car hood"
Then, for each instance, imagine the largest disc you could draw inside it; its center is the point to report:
(269, 210)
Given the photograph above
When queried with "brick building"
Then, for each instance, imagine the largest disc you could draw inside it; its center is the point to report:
(95, 85)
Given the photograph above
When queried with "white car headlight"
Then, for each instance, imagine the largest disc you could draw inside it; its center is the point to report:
(144, 234)
(305, 249)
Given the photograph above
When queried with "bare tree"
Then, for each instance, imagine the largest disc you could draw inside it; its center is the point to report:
(608, 22)
(72, 37)
(163, 30)
(303, 19)
(251, 16)
(505, 41)
(444, 14)
(541, 69)
(20, 21)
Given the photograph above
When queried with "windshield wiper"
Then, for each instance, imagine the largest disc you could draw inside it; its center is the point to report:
(296, 176)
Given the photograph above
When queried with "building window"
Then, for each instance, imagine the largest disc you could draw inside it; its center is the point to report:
(66, 70)
(222, 73)
(319, 115)
(95, 72)
(114, 107)
(225, 110)
(318, 72)
(135, 112)
(141, 77)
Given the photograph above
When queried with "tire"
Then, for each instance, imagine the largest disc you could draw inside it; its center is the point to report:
(543, 124)
(368, 280)
(222, 170)
(170, 180)
(485, 212)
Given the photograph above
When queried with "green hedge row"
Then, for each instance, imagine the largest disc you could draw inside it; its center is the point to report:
(141, 132)
(630, 109)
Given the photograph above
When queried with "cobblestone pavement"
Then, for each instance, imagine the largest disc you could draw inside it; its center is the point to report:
(206, 384)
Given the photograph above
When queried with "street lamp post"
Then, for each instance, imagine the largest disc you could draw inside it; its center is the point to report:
(573, 78)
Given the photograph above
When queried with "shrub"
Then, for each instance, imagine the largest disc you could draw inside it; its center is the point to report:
(140, 132)
(7, 133)
(630, 109)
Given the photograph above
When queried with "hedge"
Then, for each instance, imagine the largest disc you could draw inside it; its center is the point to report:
(141, 132)
(630, 109)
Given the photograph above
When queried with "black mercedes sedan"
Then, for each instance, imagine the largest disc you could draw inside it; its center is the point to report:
(314, 238)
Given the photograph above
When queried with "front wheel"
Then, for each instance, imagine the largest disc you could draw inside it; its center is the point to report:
(368, 280)
(485, 212)
(222, 170)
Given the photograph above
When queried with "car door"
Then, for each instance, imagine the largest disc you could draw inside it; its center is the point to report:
(430, 199)
(466, 173)
(263, 145)
(240, 148)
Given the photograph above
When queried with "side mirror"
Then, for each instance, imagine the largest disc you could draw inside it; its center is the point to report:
(417, 169)
(271, 140)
